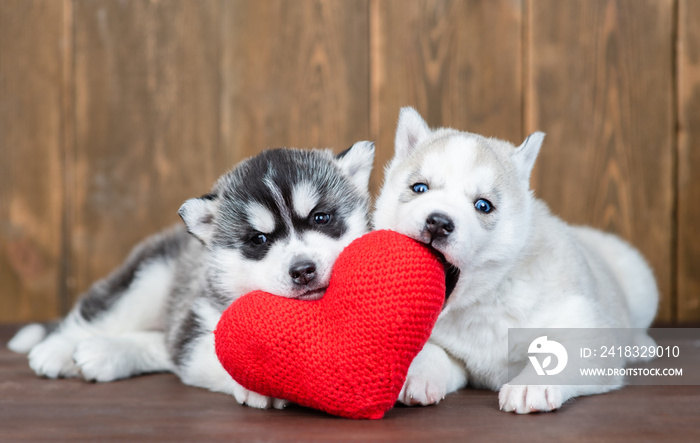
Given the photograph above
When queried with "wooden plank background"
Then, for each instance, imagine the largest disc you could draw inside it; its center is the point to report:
(601, 82)
(146, 124)
(688, 180)
(32, 46)
(458, 63)
(114, 112)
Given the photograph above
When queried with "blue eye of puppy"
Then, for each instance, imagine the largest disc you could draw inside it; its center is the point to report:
(420, 188)
(483, 205)
(321, 218)
(259, 239)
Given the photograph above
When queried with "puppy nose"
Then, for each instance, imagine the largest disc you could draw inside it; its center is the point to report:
(303, 272)
(439, 225)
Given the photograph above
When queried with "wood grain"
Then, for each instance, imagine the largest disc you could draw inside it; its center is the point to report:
(114, 112)
(688, 307)
(294, 74)
(160, 408)
(147, 96)
(32, 45)
(601, 86)
(457, 62)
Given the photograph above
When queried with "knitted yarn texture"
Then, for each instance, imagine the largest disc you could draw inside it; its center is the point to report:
(347, 353)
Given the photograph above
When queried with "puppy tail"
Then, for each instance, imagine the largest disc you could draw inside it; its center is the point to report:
(29, 336)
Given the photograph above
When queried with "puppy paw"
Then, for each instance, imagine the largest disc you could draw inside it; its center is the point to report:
(421, 390)
(102, 359)
(53, 358)
(259, 401)
(524, 399)
(431, 376)
(255, 400)
(279, 403)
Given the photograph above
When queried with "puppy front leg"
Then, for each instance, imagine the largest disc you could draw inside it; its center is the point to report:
(520, 398)
(200, 367)
(432, 375)
(106, 358)
(524, 399)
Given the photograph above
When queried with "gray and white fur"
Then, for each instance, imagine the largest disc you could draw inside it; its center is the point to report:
(517, 265)
(276, 222)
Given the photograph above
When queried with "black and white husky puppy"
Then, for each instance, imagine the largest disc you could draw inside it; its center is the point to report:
(276, 222)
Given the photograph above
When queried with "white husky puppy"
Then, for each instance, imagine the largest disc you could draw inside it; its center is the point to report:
(515, 265)
(276, 222)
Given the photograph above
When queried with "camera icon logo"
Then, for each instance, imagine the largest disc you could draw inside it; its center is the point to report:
(541, 345)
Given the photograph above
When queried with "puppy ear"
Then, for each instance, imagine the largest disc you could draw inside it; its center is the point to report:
(411, 130)
(357, 163)
(526, 154)
(198, 215)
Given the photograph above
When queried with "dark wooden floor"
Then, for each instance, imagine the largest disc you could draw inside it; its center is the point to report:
(160, 408)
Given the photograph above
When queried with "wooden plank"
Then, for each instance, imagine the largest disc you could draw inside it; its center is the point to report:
(32, 45)
(688, 240)
(147, 96)
(457, 62)
(601, 86)
(294, 74)
(159, 407)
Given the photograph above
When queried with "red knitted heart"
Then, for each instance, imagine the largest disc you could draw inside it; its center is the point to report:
(347, 353)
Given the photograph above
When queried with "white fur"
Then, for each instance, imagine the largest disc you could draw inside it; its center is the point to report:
(411, 131)
(197, 214)
(420, 387)
(148, 292)
(105, 358)
(278, 198)
(357, 164)
(304, 199)
(260, 218)
(526, 154)
(521, 267)
(108, 348)
(27, 338)
(53, 357)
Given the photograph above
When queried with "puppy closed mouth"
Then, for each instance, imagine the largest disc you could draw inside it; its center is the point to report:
(314, 294)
